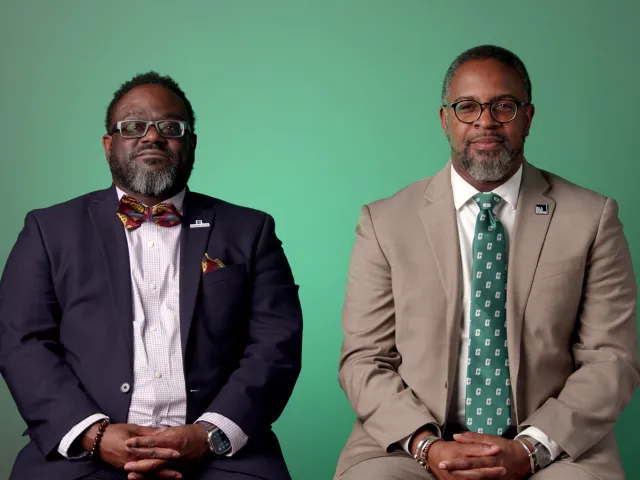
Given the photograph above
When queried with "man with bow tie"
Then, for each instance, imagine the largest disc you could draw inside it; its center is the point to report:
(459, 367)
(147, 331)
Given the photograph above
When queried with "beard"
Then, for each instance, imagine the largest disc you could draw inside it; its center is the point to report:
(488, 166)
(135, 176)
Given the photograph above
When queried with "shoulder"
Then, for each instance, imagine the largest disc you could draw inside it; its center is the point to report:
(573, 199)
(401, 202)
(230, 213)
(74, 208)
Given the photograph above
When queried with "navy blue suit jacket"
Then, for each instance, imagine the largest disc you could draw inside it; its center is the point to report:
(66, 325)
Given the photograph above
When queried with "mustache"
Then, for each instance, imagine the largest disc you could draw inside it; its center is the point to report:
(479, 136)
(153, 148)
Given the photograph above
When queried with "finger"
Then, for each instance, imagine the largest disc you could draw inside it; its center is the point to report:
(473, 437)
(161, 453)
(168, 474)
(480, 473)
(147, 465)
(152, 442)
(159, 474)
(468, 463)
(478, 450)
(141, 442)
(144, 431)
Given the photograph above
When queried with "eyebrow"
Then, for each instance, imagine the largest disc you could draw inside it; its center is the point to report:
(492, 99)
(136, 114)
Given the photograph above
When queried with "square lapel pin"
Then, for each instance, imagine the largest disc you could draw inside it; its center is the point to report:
(542, 209)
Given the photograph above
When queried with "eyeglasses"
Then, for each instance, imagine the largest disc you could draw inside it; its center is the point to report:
(139, 128)
(469, 111)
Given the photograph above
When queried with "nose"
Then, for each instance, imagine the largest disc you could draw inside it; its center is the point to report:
(153, 136)
(486, 120)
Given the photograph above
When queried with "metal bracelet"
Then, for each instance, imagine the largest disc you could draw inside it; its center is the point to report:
(424, 453)
(419, 448)
(532, 461)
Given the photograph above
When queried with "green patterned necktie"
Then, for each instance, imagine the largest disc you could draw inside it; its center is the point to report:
(488, 399)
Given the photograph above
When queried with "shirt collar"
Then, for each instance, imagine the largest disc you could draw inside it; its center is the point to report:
(463, 192)
(177, 199)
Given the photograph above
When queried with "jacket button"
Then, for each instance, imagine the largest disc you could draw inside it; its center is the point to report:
(125, 387)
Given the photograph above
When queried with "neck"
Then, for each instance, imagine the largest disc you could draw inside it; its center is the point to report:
(485, 186)
(150, 200)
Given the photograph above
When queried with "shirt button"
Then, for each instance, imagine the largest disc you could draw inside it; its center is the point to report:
(125, 387)
(158, 374)
(150, 243)
(152, 285)
(153, 329)
(158, 420)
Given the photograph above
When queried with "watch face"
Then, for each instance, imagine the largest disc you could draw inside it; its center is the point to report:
(220, 442)
(541, 455)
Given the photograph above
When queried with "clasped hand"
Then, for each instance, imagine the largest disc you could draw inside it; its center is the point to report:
(148, 452)
(476, 456)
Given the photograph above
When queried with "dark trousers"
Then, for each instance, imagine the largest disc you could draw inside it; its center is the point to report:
(204, 475)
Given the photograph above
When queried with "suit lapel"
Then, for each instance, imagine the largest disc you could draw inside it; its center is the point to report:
(438, 215)
(115, 255)
(529, 232)
(193, 244)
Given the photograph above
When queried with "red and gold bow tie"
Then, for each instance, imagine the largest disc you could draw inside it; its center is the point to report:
(132, 213)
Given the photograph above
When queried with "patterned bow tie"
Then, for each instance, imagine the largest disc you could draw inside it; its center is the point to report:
(132, 213)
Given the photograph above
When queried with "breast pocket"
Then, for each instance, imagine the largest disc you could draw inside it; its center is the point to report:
(547, 270)
(238, 271)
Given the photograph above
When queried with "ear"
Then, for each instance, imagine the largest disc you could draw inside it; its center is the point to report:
(193, 142)
(444, 118)
(106, 145)
(528, 118)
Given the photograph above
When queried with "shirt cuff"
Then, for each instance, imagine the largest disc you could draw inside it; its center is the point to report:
(405, 442)
(554, 449)
(234, 433)
(74, 433)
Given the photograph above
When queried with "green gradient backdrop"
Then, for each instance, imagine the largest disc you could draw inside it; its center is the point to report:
(309, 109)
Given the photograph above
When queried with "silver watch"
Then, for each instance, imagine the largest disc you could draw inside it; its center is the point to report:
(541, 454)
(218, 442)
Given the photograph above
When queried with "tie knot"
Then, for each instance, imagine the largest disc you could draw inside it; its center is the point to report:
(487, 201)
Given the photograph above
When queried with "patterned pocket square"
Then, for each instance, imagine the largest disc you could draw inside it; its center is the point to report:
(210, 264)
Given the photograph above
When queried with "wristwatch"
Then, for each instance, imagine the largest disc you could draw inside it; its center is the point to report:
(218, 442)
(541, 455)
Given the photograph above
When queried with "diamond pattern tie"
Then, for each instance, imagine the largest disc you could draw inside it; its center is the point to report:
(133, 213)
(488, 395)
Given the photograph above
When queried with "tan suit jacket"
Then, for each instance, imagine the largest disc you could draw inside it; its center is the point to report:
(571, 318)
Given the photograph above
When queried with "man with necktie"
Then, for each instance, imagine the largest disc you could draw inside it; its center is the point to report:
(489, 320)
(148, 331)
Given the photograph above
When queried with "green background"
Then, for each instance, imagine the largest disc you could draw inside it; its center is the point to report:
(309, 109)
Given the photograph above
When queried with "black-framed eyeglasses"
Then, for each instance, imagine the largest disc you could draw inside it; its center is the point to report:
(469, 111)
(139, 128)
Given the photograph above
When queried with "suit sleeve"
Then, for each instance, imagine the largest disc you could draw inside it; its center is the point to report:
(46, 391)
(258, 390)
(369, 362)
(606, 348)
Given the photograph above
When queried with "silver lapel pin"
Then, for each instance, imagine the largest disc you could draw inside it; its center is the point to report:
(542, 209)
(199, 224)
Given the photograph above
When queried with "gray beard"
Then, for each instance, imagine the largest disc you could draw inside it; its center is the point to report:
(487, 167)
(134, 176)
(490, 168)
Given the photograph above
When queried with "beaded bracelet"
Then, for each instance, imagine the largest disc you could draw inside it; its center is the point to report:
(425, 452)
(422, 451)
(96, 441)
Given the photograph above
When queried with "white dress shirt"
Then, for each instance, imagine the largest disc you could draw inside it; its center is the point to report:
(158, 395)
(467, 210)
